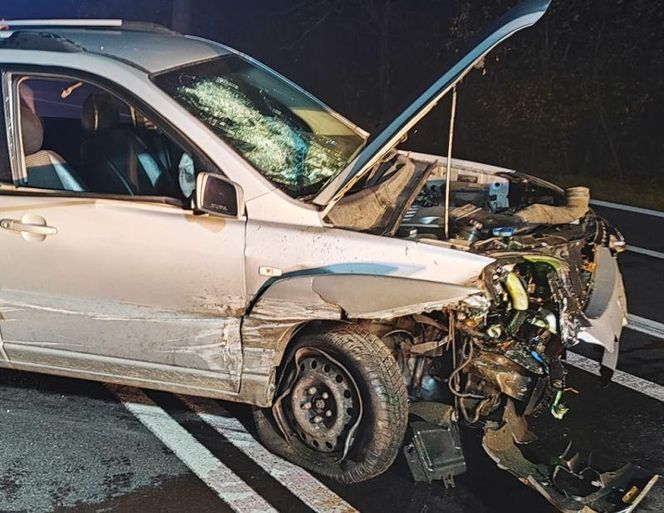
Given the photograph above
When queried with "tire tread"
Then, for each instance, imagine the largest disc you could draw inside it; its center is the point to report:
(383, 379)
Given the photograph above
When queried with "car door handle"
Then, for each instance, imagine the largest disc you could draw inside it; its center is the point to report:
(18, 226)
(30, 226)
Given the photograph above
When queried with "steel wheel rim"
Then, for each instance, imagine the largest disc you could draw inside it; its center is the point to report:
(324, 405)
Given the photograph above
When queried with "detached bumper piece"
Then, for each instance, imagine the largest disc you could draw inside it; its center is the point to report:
(434, 452)
(606, 311)
(568, 481)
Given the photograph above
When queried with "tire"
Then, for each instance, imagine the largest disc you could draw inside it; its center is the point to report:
(383, 422)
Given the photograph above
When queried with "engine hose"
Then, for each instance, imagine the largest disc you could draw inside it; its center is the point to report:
(517, 292)
(455, 373)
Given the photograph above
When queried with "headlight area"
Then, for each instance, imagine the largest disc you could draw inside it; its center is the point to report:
(508, 341)
(495, 359)
(520, 345)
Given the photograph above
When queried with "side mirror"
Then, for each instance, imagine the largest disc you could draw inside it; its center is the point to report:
(219, 196)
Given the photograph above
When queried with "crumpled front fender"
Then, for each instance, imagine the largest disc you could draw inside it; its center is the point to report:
(356, 296)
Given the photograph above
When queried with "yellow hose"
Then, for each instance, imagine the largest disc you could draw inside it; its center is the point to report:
(517, 292)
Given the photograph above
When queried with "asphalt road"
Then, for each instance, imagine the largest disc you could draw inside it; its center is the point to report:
(76, 446)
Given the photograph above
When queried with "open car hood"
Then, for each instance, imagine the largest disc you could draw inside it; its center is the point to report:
(385, 139)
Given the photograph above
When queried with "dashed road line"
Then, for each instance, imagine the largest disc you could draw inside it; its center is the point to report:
(647, 326)
(644, 251)
(630, 381)
(227, 485)
(307, 488)
(627, 208)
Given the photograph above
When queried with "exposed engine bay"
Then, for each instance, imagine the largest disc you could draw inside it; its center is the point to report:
(484, 206)
(498, 357)
(512, 340)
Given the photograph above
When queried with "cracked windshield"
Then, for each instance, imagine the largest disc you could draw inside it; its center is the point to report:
(291, 138)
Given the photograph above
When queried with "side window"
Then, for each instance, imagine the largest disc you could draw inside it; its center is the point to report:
(78, 137)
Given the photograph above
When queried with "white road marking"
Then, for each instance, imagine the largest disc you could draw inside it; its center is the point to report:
(227, 485)
(647, 326)
(306, 487)
(627, 208)
(641, 385)
(644, 251)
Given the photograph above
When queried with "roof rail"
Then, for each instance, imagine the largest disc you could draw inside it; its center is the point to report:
(135, 26)
(61, 23)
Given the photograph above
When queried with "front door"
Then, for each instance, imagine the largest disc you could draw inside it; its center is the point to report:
(104, 271)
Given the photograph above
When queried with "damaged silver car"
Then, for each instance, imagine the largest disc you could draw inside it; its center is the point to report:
(175, 215)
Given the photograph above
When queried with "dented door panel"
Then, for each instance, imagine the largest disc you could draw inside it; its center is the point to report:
(125, 279)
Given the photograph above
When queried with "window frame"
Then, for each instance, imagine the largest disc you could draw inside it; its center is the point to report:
(5, 155)
(11, 76)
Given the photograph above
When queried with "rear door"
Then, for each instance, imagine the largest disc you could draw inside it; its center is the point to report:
(126, 285)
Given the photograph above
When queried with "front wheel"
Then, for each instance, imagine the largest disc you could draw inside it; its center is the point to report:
(341, 407)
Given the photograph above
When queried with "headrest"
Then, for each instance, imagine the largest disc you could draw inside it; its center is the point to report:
(100, 113)
(32, 131)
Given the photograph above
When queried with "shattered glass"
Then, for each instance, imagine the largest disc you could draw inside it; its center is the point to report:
(293, 140)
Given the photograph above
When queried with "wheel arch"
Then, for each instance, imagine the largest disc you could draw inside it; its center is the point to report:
(293, 303)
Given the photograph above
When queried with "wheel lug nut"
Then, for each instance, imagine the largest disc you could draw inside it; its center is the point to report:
(328, 413)
(318, 419)
(312, 390)
(325, 395)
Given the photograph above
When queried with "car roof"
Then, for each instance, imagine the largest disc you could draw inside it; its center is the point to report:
(148, 47)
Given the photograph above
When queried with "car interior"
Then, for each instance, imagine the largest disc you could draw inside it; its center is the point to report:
(80, 138)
